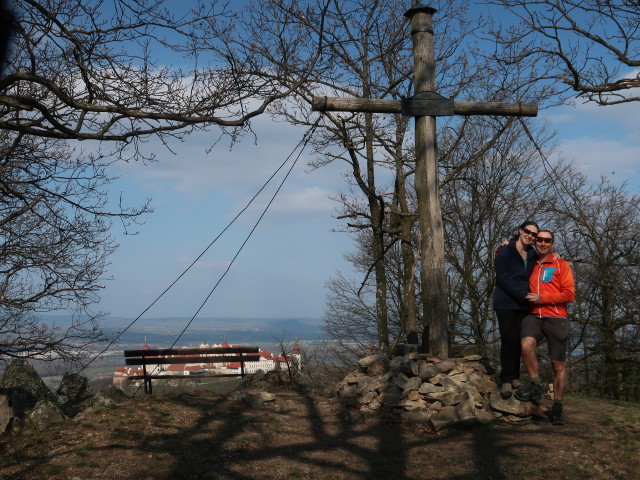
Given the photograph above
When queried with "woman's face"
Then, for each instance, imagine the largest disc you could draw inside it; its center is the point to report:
(528, 235)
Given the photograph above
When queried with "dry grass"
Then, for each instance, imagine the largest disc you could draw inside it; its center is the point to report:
(304, 436)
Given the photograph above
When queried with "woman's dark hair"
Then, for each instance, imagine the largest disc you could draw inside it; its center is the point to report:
(525, 224)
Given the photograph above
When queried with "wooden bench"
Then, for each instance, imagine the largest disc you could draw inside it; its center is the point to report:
(167, 356)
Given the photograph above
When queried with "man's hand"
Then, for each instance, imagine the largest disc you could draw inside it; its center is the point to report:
(533, 298)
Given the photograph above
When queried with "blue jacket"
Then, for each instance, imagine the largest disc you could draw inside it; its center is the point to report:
(512, 277)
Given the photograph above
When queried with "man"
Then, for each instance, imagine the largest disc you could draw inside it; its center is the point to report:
(551, 287)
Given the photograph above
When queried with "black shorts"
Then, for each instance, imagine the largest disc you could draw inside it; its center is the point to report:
(555, 330)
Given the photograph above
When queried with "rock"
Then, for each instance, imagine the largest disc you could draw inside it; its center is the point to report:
(411, 395)
(436, 379)
(108, 397)
(74, 394)
(458, 350)
(378, 368)
(451, 396)
(400, 364)
(23, 386)
(483, 416)
(349, 392)
(423, 389)
(465, 410)
(485, 385)
(368, 384)
(447, 382)
(512, 405)
(265, 380)
(478, 366)
(412, 384)
(405, 349)
(432, 370)
(44, 414)
(365, 362)
(446, 417)
(426, 388)
(399, 382)
(355, 377)
(413, 404)
(73, 389)
(367, 398)
(472, 358)
(263, 396)
(391, 395)
(418, 416)
(252, 398)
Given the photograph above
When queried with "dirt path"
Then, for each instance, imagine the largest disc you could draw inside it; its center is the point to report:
(303, 436)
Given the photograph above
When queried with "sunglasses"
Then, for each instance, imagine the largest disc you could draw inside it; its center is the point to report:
(529, 232)
(544, 240)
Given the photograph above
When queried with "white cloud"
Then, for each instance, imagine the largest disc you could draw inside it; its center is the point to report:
(613, 158)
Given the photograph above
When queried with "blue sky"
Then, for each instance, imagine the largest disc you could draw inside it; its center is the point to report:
(282, 270)
(284, 266)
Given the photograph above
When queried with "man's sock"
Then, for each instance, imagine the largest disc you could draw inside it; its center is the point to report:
(535, 380)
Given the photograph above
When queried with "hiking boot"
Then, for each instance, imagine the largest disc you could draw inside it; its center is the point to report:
(506, 391)
(557, 414)
(536, 392)
(532, 392)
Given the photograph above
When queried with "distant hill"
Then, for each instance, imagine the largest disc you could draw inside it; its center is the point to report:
(164, 330)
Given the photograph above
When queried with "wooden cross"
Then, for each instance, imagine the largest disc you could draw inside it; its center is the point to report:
(425, 105)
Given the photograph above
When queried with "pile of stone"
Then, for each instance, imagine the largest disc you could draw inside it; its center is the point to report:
(26, 403)
(426, 390)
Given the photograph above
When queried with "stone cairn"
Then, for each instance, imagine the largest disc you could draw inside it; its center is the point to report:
(425, 390)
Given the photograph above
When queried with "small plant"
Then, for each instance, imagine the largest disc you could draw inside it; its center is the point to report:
(57, 468)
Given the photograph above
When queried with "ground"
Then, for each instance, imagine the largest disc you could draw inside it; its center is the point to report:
(306, 436)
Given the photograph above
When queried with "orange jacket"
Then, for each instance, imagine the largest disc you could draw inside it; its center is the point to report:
(552, 279)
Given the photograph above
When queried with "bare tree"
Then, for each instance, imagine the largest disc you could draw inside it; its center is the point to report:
(482, 206)
(599, 226)
(118, 72)
(123, 70)
(590, 48)
(54, 243)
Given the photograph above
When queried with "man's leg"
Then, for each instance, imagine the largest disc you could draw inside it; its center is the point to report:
(529, 356)
(533, 391)
(560, 379)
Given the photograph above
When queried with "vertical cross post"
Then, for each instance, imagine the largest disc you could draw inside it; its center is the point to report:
(432, 273)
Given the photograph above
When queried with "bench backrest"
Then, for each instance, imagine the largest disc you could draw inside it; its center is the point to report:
(162, 356)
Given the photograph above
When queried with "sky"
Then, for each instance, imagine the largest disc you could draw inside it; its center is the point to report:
(284, 265)
(282, 270)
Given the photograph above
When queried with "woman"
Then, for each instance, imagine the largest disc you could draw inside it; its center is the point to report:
(513, 264)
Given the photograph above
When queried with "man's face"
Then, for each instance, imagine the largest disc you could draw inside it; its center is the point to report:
(544, 243)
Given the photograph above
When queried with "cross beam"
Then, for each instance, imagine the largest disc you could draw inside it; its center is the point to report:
(424, 106)
(373, 105)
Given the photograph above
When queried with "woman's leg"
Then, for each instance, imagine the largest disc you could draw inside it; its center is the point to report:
(509, 322)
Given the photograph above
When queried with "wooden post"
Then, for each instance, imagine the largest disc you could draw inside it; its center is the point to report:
(434, 282)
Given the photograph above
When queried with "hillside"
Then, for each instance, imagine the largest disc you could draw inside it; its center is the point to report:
(310, 436)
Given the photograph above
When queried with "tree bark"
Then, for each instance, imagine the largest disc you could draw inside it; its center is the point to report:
(434, 284)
